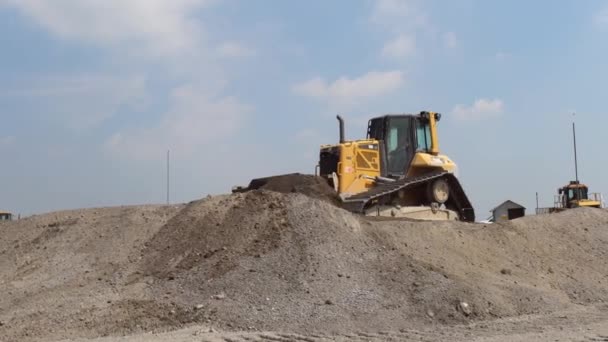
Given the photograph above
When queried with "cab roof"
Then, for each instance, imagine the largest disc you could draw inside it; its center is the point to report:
(388, 116)
(405, 115)
(575, 185)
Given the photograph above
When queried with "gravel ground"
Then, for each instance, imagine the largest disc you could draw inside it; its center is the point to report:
(254, 264)
(582, 324)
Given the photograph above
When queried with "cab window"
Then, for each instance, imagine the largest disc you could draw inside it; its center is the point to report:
(570, 194)
(398, 145)
(423, 136)
(393, 138)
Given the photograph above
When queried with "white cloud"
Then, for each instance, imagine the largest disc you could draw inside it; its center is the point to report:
(450, 40)
(392, 7)
(402, 46)
(158, 26)
(479, 110)
(502, 56)
(601, 17)
(316, 87)
(81, 101)
(398, 15)
(346, 91)
(234, 50)
(195, 121)
(138, 35)
(407, 22)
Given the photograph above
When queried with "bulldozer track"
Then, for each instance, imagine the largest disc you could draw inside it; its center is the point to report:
(359, 202)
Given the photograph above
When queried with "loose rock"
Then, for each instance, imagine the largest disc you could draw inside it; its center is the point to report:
(465, 308)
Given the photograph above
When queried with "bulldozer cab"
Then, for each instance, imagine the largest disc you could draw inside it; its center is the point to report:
(402, 136)
(5, 216)
(576, 194)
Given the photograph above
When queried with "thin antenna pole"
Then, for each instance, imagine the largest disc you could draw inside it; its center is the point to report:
(168, 170)
(575, 156)
(537, 200)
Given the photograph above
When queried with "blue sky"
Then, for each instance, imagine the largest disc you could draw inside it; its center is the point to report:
(93, 93)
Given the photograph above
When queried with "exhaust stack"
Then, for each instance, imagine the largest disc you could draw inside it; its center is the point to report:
(341, 122)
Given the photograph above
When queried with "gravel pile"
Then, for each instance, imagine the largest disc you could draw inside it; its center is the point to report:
(284, 261)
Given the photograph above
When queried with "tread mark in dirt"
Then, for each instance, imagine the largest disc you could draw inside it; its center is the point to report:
(362, 334)
(598, 338)
(382, 336)
(277, 338)
(317, 336)
(228, 339)
(298, 337)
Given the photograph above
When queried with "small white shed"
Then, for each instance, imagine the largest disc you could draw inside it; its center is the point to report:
(508, 210)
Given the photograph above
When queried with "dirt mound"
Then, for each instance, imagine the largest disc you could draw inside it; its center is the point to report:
(309, 185)
(266, 260)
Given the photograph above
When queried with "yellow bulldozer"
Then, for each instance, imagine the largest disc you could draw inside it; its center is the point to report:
(397, 171)
(575, 195)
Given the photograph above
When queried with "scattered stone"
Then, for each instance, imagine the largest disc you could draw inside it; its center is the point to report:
(329, 302)
(465, 308)
(199, 306)
(219, 296)
(505, 271)
(430, 313)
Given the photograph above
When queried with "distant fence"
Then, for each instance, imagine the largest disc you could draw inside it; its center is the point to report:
(559, 200)
(596, 196)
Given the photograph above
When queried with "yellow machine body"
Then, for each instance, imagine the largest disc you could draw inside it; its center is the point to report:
(576, 195)
(358, 166)
(360, 162)
(396, 171)
(425, 162)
